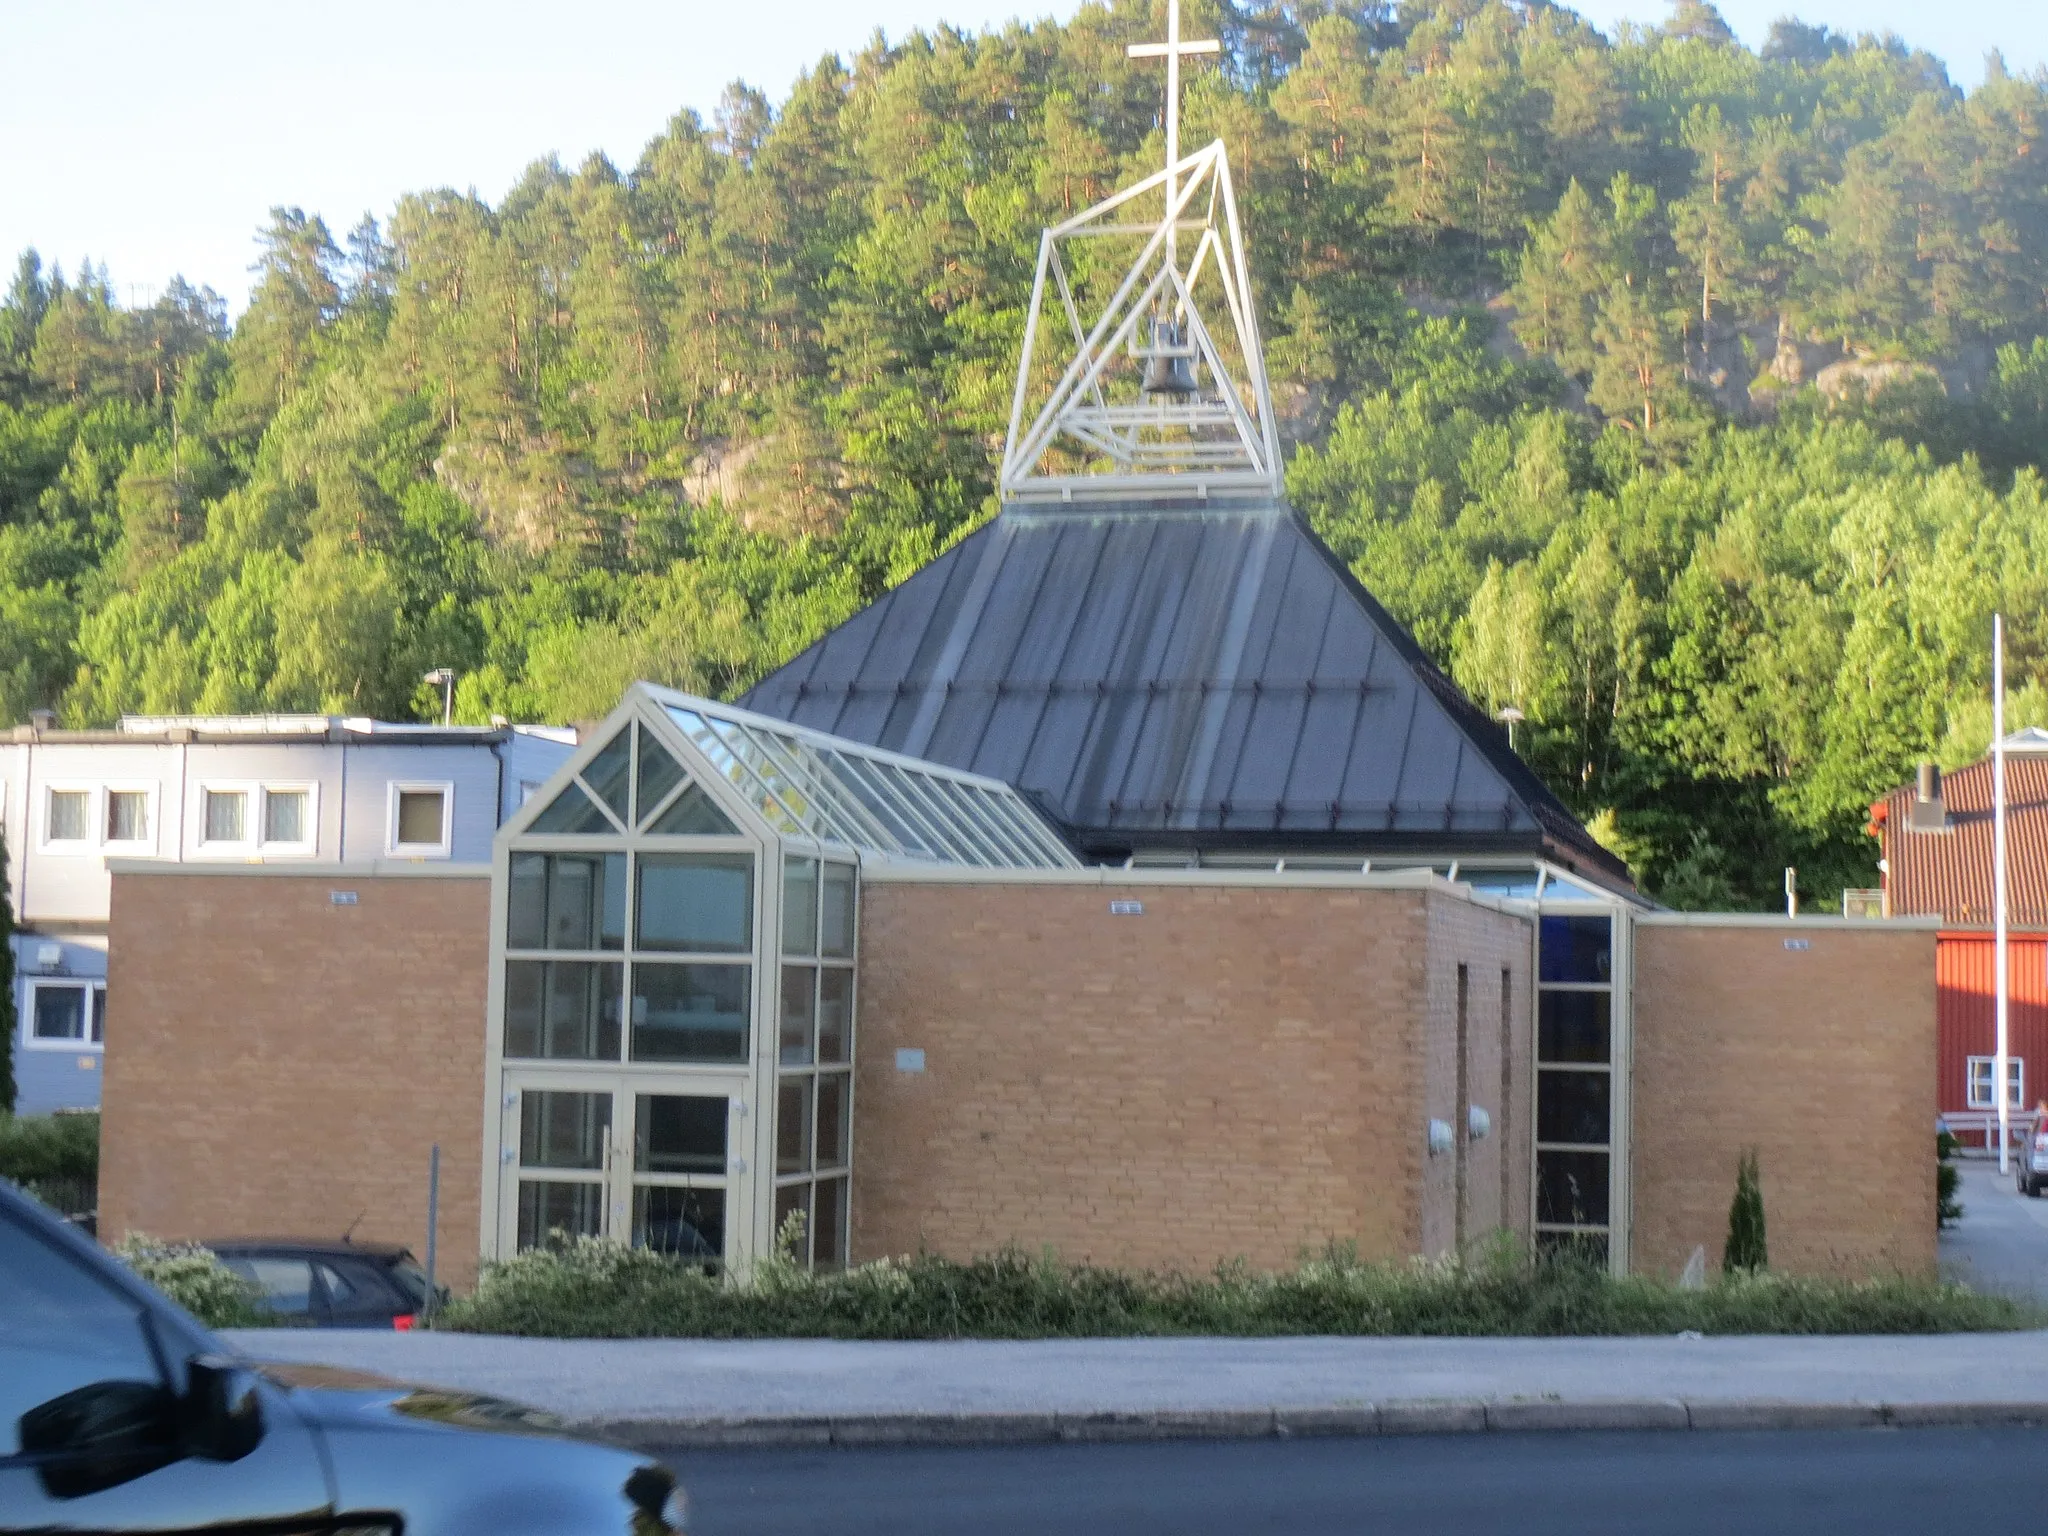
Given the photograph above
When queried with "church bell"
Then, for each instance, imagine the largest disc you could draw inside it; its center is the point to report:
(1169, 361)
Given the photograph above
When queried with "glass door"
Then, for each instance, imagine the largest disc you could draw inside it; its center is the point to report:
(558, 1139)
(680, 1180)
(655, 1161)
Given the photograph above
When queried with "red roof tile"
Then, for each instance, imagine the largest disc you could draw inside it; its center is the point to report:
(1949, 873)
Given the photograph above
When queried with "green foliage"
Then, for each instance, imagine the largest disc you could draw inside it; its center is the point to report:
(1747, 1250)
(195, 1279)
(1948, 1180)
(1543, 308)
(34, 1148)
(593, 1289)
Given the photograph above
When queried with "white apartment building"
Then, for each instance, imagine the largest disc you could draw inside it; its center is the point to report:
(236, 789)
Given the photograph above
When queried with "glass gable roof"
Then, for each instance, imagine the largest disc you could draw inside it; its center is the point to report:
(809, 785)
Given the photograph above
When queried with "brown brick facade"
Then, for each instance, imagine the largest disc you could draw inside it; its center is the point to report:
(278, 1064)
(1240, 1071)
(1822, 1058)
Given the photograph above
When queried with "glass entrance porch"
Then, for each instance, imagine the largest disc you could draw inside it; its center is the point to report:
(673, 1006)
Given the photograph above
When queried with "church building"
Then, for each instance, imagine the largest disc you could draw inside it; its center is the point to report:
(1126, 882)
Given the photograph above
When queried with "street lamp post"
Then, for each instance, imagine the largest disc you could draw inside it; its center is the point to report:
(444, 679)
(1508, 717)
(2002, 961)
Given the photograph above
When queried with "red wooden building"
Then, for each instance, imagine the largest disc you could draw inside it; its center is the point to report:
(1937, 862)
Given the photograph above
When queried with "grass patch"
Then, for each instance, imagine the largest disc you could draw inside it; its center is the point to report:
(593, 1289)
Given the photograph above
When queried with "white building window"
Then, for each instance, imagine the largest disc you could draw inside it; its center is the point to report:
(1980, 1082)
(67, 818)
(421, 817)
(288, 818)
(67, 1014)
(271, 819)
(128, 817)
(224, 816)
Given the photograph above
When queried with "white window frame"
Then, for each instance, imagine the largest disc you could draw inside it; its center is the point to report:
(445, 788)
(253, 844)
(1979, 1094)
(148, 789)
(211, 847)
(96, 993)
(69, 845)
(304, 847)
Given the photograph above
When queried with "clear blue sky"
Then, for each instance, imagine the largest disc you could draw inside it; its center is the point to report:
(154, 134)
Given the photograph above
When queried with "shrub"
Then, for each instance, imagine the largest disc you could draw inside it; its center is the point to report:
(40, 1147)
(1948, 1180)
(593, 1289)
(56, 1158)
(195, 1279)
(1747, 1250)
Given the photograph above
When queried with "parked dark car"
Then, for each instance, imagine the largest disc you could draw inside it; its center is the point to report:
(120, 1413)
(2032, 1163)
(333, 1284)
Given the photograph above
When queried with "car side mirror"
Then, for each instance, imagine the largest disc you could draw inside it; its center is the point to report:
(101, 1435)
(221, 1415)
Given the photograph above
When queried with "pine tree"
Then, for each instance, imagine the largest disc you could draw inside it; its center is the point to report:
(1747, 1252)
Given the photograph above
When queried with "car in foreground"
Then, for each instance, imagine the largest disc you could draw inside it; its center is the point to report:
(337, 1284)
(120, 1413)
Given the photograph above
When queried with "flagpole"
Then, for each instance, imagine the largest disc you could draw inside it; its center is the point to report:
(2000, 963)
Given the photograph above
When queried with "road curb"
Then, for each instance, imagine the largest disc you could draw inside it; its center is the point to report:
(1446, 1416)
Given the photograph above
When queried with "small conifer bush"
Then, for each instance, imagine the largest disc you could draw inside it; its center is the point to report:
(1747, 1252)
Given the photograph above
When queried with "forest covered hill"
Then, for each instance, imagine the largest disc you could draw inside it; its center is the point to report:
(1690, 399)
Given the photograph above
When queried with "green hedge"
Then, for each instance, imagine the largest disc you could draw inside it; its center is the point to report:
(591, 1289)
(34, 1148)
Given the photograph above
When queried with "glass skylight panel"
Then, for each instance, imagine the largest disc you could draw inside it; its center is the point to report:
(749, 749)
(955, 806)
(1019, 850)
(758, 795)
(880, 804)
(832, 792)
(949, 823)
(913, 811)
(833, 815)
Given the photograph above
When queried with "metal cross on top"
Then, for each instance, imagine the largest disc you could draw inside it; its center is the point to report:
(1173, 50)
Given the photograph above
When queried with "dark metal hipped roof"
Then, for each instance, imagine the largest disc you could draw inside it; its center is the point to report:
(1158, 674)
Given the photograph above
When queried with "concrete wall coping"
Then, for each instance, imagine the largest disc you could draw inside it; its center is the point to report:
(375, 869)
(1778, 920)
(1114, 875)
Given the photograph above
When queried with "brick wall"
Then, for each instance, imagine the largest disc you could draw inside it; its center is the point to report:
(278, 1065)
(1238, 1072)
(1821, 1058)
(1496, 1168)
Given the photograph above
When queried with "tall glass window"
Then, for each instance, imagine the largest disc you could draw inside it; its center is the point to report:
(814, 1096)
(1575, 1084)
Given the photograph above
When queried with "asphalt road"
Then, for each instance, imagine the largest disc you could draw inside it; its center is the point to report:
(1921, 1481)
